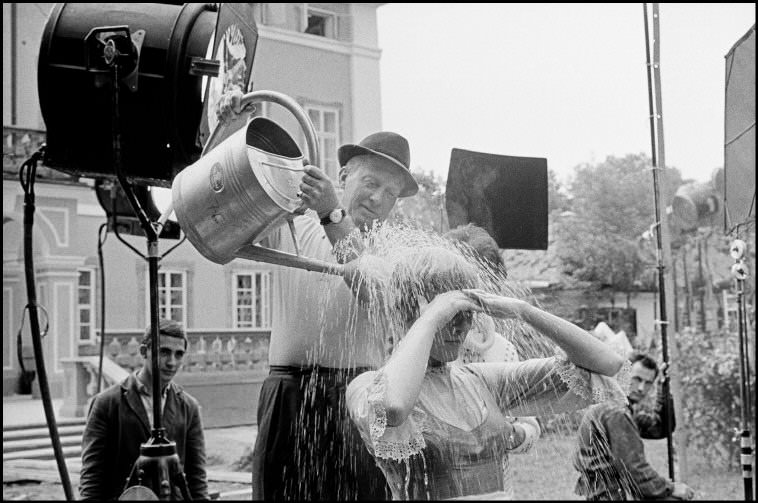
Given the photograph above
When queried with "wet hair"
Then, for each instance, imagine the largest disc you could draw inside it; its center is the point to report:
(645, 360)
(481, 242)
(428, 272)
(167, 328)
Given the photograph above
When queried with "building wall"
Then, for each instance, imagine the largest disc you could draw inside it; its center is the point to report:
(340, 72)
(566, 303)
(29, 22)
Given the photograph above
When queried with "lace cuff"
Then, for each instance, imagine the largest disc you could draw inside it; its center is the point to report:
(593, 387)
(391, 442)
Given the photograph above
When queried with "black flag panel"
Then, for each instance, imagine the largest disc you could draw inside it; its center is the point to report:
(503, 194)
(739, 132)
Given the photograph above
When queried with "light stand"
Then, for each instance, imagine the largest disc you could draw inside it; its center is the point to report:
(663, 239)
(158, 470)
(740, 273)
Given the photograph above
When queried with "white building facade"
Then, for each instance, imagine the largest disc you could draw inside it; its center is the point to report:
(325, 56)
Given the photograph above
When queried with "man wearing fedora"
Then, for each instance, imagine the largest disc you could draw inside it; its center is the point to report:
(307, 447)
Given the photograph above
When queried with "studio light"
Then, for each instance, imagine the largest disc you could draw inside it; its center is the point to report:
(161, 102)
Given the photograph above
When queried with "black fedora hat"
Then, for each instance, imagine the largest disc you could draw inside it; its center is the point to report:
(390, 146)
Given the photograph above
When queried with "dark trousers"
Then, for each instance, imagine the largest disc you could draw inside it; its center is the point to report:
(307, 447)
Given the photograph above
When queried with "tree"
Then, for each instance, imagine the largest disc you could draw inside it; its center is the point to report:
(425, 210)
(611, 207)
(557, 199)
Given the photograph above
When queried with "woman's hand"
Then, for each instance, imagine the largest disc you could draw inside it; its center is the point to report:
(445, 306)
(497, 305)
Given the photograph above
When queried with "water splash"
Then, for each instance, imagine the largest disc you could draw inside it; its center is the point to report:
(395, 261)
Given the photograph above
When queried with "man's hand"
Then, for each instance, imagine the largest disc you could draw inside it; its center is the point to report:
(317, 191)
(663, 374)
(682, 491)
(229, 105)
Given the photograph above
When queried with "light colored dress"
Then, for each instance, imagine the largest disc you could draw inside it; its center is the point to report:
(451, 444)
(484, 344)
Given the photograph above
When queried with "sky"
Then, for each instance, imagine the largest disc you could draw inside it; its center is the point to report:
(566, 82)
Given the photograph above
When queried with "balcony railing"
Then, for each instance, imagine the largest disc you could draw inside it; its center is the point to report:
(214, 350)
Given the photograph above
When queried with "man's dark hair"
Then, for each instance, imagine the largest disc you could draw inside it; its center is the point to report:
(645, 360)
(167, 328)
(480, 241)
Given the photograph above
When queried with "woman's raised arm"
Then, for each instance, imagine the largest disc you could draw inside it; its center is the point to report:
(581, 348)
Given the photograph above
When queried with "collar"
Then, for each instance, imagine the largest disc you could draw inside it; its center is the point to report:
(142, 389)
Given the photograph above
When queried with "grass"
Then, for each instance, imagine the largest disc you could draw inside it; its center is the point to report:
(546, 473)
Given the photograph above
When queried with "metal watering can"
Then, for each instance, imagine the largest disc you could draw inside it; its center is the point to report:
(246, 186)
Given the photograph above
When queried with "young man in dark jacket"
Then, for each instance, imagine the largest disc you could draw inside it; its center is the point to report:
(120, 421)
(610, 455)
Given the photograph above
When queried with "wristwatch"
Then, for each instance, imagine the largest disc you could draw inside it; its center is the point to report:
(334, 217)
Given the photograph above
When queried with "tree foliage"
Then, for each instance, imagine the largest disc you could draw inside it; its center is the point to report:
(710, 370)
(612, 205)
(425, 210)
(557, 199)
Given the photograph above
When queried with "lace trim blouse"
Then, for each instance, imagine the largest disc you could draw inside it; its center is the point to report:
(455, 432)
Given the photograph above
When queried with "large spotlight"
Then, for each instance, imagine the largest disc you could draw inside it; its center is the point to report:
(153, 201)
(160, 101)
(696, 205)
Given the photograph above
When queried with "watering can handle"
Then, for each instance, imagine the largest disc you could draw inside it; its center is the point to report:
(287, 102)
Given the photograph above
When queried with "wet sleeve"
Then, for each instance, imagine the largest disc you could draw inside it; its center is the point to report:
(627, 447)
(365, 401)
(546, 386)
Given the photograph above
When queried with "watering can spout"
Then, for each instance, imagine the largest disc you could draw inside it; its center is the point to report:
(276, 257)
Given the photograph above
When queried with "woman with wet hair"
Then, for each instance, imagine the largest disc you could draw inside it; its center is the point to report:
(438, 429)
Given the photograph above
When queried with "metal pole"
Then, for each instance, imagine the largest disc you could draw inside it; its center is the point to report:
(100, 242)
(663, 239)
(701, 282)
(152, 252)
(687, 288)
(746, 444)
(676, 294)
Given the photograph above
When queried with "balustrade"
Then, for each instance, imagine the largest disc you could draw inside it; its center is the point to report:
(206, 351)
